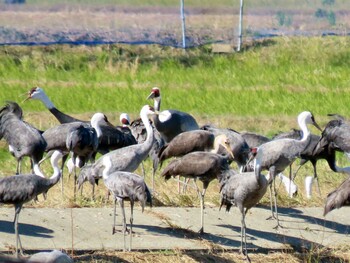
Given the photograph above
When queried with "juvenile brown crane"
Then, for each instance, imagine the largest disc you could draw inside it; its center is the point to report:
(204, 166)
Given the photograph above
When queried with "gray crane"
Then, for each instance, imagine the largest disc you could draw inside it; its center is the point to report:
(170, 123)
(307, 155)
(23, 139)
(124, 159)
(83, 142)
(125, 186)
(239, 146)
(22, 188)
(204, 166)
(243, 190)
(276, 155)
(338, 198)
(335, 136)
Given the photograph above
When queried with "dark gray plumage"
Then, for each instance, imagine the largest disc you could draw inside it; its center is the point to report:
(239, 146)
(335, 137)
(126, 158)
(23, 139)
(276, 155)
(125, 186)
(204, 166)
(23, 188)
(338, 198)
(83, 142)
(254, 139)
(170, 123)
(243, 190)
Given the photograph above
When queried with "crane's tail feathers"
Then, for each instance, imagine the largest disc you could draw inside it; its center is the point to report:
(335, 201)
(169, 170)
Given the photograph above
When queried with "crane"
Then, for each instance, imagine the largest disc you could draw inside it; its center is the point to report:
(20, 189)
(83, 142)
(243, 190)
(338, 198)
(170, 123)
(127, 158)
(23, 139)
(204, 166)
(125, 186)
(276, 155)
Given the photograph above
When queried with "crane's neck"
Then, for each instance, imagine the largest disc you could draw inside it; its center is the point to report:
(47, 102)
(150, 136)
(157, 102)
(305, 131)
(107, 164)
(37, 170)
(98, 130)
(56, 168)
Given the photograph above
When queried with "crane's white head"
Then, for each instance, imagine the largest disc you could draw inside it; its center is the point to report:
(124, 119)
(306, 117)
(148, 110)
(155, 94)
(99, 119)
(36, 93)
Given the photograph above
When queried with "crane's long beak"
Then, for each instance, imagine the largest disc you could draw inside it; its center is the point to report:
(150, 96)
(317, 126)
(25, 94)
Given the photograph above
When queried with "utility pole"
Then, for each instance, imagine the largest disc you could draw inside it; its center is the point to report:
(183, 24)
(240, 26)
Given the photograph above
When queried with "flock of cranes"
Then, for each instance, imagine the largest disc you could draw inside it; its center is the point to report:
(197, 153)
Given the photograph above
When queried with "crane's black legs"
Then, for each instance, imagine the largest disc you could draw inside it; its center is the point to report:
(244, 235)
(121, 202)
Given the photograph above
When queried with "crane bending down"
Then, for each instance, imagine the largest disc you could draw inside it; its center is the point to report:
(205, 166)
(83, 142)
(170, 123)
(276, 155)
(22, 138)
(243, 190)
(23, 188)
(338, 198)
(125, 186)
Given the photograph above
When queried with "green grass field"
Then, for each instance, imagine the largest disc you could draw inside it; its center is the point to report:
(261, 89)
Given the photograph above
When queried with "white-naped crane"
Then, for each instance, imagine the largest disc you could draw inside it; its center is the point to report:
(83, 142)
(38, 93)
(127, 158)
(20, 189)
(276, 155)
(243, 190)
(23, 139)
(170, 123)
(112, 137)
(125, 186)
(239, 146)
(338, 198)
(204, 166)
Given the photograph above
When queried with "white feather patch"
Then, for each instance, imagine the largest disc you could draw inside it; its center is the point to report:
(164, 116)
